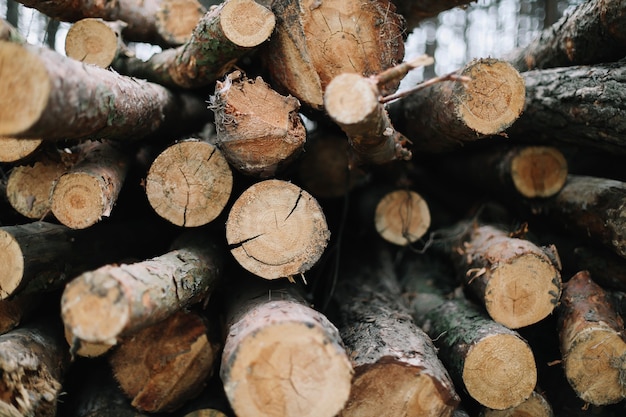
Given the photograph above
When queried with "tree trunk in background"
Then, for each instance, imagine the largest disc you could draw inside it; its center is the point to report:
(13, 13)
(51, 32)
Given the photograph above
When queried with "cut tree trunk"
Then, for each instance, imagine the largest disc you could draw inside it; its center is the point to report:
(276, 230)
(415, 11)
(223, 35)
(316, 41)
(606, 268)
(258, 130)
(61, 98)
(535, 406)
(164, 365)
(594, 32)
(281, 357)
(189, 183)
(449, 114)
(591, 334)
(14, 150)
(15, 310)
(402, 217)
(104, 305)
(582, 105)
(94, 41)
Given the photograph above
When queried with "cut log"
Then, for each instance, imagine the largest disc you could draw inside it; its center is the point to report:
(592, 342)
(176, 19)
(60, 98)
(402, 217)
(15, 310)
(607, 269)
(104, 305)
(446, 115)
(590, 34)
(94, 41)
(316, 41)
(166, 364)
(281, 357)
(276, 230)
(14, 150)
(223, 35)
(415, 12)
(535, 406)
(85, 349)
(189, 183)
(258, 130)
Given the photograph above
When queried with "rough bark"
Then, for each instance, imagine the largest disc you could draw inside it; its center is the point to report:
(276, 230)
(189, 183)
(581, 105)
(416, 11)
(592, 342)
(15, 310)
(606, 268)
(258, 130)
(281, 357)
(402, 217)
(104, 305)
(94, 41)
(223, 35)
(166, 364)
(14, 150)
(60, 98)
(535, 406)
(592, 33)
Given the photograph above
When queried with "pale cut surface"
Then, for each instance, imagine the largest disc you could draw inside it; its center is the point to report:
(535, 406)
(78, 200)
(29, 187)
(12, 150)
(539, 171)
(12, 261)
(246, 23)
(176, 19)
(402, 217)
(92, 41)
(350, 99)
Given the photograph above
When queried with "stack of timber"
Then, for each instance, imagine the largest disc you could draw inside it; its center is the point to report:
(255, 222)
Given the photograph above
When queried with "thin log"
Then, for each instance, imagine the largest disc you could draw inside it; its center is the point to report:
(177, 19)
(258, 130)
(94, 41)
(166, 364)
(415, 12)
(448, 114)
(275, 229)
(281, 357)
(592, 33)
(592, 343)
(402, 217)
(14, 150)
(60, 98)
(536, 406)
(223, 35)
(189, 183)
(104, 305)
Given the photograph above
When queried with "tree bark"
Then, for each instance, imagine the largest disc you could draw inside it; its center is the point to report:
(60, 98)
(94, 41)
(449, 114)
(276, 230)
(281, 357)
(223, 35)
(592, 33)
(414, 12)
(15, 310)
(189, 183)
(258, 130)
(592, 342)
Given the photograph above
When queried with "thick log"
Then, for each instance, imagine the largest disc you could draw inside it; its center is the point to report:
(258, 130)
(569, 105)
(60, 98)
(316, 41)
(592, 342)
(223, 35)
(402, 217)
(415, 12)
(189, 183)
(591, 34)
(15, 310)
(449, 114)
(14, 150)
(104, 305)
(94, 41)
(164, 365)
(281, 357)
(607, 269)
(536, 406)
(275, 229)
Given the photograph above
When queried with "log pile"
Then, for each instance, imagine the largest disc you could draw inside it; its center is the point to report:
(178, 239)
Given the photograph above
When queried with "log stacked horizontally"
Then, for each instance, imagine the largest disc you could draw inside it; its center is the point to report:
(254, 221)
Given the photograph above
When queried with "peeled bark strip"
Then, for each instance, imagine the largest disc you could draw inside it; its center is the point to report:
(352, 101)
(13, 150)
(94, 41)
(446, 115)
(535, 406)
(276, 230)
(166, 364)
(316, 41)
(592, 33)
(33, 360)
(103, 305)
(414, 11)
(282, 358)
(189, 183)
(223, 35)
(592, 342)
(258, 130)
(402, 217)
(59, 98)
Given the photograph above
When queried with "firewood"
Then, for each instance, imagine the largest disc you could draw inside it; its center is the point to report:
(223, 35)
(607, 269)
(402, 217)
(446, 115)
(275, 229)
(281, 357)
(592, 342)
(103, 305)
(536, 406)
(176, 19)
(416, 11)
(258, 130)
(189, 183)
(83, 348)
(94, 41)
(316, 41)
(33, 361)
(60, 98)
(389, 353)
(15, 310)
(14, 150)
(590, 34)
(162, 366)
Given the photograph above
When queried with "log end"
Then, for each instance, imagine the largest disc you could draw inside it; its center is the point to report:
(29, 187)
(247, 23)
(12, 261)
(85, 349)
(535, 406)
(402, 217)
(177, 19)
(79, 200)
(12, 150)
(92, 41)
(351, 99)
(539, 171)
